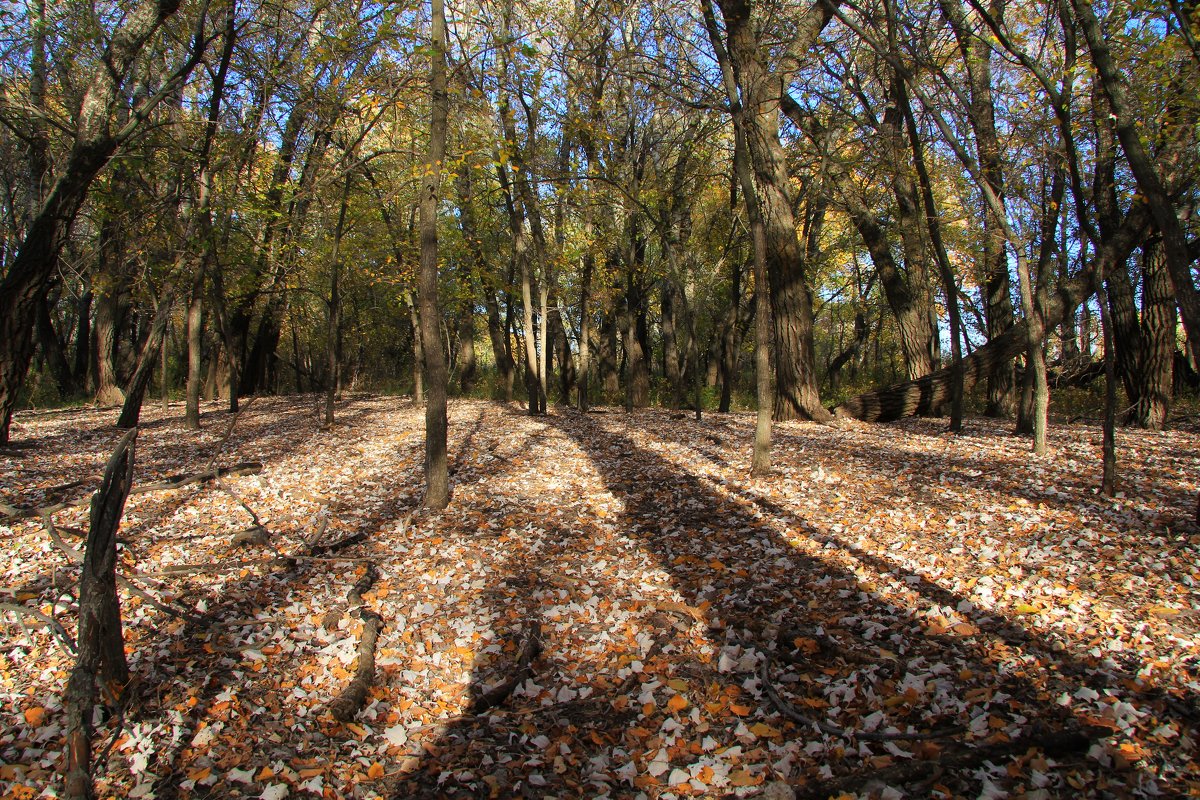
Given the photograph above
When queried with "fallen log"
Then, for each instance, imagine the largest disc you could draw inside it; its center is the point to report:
(351, 699)
(354, 598)
(347, 704)
(1056, 744)
(927, 394)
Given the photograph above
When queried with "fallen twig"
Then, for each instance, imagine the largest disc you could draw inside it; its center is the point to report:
(173, 482)
(794, 714)
(351, 699)
(353, 598)
(1052, 743)
(530, 648)
(64, 639)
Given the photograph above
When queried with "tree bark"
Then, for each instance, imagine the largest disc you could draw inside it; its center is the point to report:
(1145, 170)
(758, 94)
(929, 392)
(101, 656)
(333, 322)
(437, 478)
(1156, 356)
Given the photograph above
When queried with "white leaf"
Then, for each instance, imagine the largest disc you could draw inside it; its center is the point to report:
(396, 736)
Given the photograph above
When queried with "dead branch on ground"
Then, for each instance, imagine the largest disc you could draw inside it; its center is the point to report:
(530, 649)
(351, 699)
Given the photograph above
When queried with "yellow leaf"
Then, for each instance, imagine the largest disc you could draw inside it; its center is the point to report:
(1025, 608)
(199, 774)
(764, 730)
(743, 778)
(678, 684)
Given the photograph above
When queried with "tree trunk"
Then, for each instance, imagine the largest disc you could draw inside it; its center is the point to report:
(437, 478)
(757, 93)
(54, 351)
(94, 144)
(131, 410)
(333, 322)
(1145, 168)
(109, 314)
(1156, 356)
(195, 343)
(585, 321)
(729, 338)
(101, 656)
(922, 395)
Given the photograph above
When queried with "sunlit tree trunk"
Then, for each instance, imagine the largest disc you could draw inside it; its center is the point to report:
(437, 479)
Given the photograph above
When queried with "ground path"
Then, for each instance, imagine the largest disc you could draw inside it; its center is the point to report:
(900, 581)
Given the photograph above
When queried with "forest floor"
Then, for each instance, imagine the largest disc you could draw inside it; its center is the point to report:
(894, 612)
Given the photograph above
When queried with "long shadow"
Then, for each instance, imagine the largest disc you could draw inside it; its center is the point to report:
(942, 484)
(852, 655)
(197, 672)
(260, 686)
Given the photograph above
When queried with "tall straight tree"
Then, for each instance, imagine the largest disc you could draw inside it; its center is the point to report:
(437, 479)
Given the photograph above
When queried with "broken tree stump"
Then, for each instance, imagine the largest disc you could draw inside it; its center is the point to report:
(101, 642)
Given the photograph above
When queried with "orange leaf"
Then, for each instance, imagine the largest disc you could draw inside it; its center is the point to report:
(35, 716)
(375, 771)
(743, 778)
(677, 703)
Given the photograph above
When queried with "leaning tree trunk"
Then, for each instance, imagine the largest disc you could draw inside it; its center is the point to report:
(796, 391)
(95, 142)
(131, 410)
(925, 394)
(101, 656)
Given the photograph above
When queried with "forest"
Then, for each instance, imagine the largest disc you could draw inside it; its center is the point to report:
(604, 398)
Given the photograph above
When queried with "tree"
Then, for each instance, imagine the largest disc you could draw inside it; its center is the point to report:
(437, 478)
(98, 135)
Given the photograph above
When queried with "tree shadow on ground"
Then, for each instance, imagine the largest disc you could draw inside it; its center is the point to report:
(844, 653)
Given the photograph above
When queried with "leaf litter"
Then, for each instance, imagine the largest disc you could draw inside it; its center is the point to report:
(894, 612)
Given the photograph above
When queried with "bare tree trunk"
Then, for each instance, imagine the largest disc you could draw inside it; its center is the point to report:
(437, 478)
(414, 318)
(585, 321)
(107, 336)
(101, 656)
(1108, 483)
(1146, 170)
(195, 343)
(162, 372)
(930, 391)
(756, 93)
(334, 318)
(1156, 357)
(131, 410)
